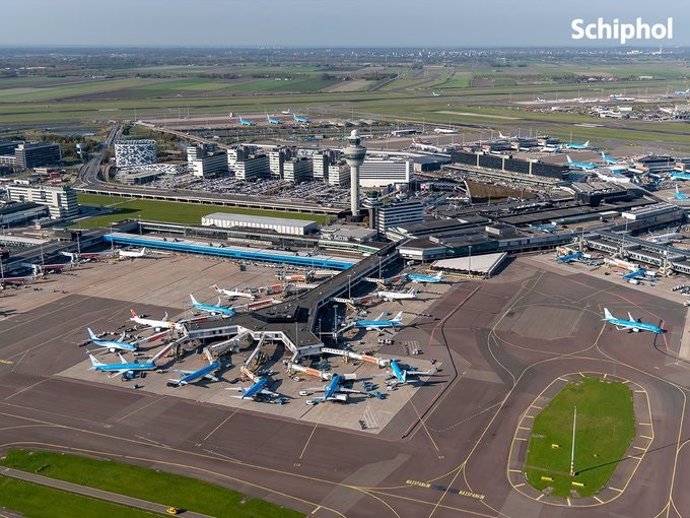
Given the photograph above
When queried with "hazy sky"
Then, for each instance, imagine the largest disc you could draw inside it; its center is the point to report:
(461, 23)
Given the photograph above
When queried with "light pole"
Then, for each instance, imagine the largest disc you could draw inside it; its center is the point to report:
(349, 287)
(572, 448)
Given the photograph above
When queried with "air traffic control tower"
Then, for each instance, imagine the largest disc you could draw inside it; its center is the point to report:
(354, 156)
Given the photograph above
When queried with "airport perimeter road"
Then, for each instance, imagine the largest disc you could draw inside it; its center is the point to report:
(91, 492)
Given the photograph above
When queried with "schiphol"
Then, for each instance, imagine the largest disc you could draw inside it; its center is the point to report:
(621, 31)
(284, 270)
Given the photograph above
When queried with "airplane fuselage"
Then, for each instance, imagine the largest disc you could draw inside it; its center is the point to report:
(199, 374)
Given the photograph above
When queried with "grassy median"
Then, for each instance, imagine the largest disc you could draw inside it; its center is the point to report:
(45, 502)
(604, 431)
(155, 486)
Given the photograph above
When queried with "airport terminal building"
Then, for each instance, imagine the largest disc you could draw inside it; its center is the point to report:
(295, 227)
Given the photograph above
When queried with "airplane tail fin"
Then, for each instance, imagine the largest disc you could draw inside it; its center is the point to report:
(143, 251)
(569, 159)
(586, 144)
(398, 317)
(91, 333)
(630, 317)
(607, 314)
(134, 315)
(194, 301)
(94, 362)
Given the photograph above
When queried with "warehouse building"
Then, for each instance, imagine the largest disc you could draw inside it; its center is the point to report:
(294, 227)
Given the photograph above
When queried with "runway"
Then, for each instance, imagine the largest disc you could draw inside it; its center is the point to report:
(445, 454)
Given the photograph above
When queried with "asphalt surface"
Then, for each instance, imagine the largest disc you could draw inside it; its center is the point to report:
(91, 492)
(445, 454)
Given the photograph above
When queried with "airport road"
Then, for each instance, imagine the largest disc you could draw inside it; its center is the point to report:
(499, 347)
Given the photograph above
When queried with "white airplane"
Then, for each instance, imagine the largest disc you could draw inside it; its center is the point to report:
(397, 295)
(507, 137)
(287, 112)
(132, 254)
(233, 293)
(158, 325)
(445, 131)
(434, 94)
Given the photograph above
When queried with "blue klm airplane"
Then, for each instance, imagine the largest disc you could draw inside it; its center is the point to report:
(608, 160)
(544, 228)
(256, 391)
(585, 166)
(128, 369)
(380, 324)
(679, 195)
(272, 120)
(418, 277)
(680, 176)
(640, 272)
(333, 391)
(213, 309)
(569, 258)
(246, 122)
(631, 324)
(299, 118)
(187, 377)
(112, 345)
(574, 145)
(402, 376)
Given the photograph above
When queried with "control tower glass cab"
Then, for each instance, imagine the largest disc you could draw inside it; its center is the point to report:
(354, 156)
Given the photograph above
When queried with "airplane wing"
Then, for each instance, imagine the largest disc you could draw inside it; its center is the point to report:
(211, 377)
(122, 358)
(351, 391)
(116, 373)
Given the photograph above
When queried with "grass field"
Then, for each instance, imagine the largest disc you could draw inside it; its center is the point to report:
(171, 212)
(44, 502)
(154, 486)
(605, 429)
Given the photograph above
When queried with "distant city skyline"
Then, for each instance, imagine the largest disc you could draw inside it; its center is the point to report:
(324, 23)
